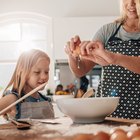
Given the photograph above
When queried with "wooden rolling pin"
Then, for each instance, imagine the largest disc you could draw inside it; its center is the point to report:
(22, 98)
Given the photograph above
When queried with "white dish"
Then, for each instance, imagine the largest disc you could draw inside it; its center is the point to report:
(88, 110)
(56, 97)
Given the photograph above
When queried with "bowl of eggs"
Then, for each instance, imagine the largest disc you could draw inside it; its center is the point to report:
(88, 110)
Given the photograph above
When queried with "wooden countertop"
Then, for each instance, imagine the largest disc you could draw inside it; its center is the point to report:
(61, 128)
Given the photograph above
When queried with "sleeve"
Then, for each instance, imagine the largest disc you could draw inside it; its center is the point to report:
(18, 106)
(11, 92)
(105, 32)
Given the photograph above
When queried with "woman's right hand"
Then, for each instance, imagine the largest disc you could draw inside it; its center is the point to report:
(75, 49)
(72, 46)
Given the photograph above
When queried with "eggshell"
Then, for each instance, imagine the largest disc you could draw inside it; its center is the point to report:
(77, 51)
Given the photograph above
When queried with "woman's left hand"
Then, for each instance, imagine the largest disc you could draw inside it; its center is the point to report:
(96, 53)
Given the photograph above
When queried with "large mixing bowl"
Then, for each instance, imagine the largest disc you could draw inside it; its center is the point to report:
(88, 110)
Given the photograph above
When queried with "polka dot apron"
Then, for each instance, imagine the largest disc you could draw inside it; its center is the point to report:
(118, 81)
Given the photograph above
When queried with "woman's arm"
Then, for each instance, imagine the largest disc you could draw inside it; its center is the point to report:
(74, 48)
(131, 63)
(84, 66)
(98, 54)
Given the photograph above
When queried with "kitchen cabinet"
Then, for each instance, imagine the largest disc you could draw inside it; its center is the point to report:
(64, 75)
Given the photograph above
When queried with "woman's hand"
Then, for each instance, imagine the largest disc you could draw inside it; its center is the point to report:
(90, 50)
(72, 47)
(96, 53)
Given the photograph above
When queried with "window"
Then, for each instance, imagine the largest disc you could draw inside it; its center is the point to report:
(19, 32)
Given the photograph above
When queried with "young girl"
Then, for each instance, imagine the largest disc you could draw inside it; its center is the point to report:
(32, 70)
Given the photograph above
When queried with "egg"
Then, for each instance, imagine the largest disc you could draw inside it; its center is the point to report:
(118, 130)
(136, 138)
(59, 139)
(118, 134)
(134, 134)
(83, 137)
(102, 136)
(77, 51)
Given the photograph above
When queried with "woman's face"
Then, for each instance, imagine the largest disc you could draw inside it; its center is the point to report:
(130, 9)
(39, 74)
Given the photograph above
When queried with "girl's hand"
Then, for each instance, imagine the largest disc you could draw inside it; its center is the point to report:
(12, 112)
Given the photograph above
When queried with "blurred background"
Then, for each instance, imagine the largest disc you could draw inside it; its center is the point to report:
(48, 25)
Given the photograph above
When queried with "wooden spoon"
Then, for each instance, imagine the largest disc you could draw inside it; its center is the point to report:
(21, 124)
(89, 93)
(22, 98)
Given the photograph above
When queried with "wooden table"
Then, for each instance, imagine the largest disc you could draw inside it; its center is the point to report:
(59, 129)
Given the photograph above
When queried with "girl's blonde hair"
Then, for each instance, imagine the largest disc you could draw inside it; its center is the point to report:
(25, 63)
(123, 16)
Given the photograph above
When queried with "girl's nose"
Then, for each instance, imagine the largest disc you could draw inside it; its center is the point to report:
(44, 76)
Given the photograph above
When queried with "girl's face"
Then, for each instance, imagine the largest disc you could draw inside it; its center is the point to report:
(130, 8)
(38, 75)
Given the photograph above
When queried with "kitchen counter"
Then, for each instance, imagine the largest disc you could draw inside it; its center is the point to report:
(61, 128)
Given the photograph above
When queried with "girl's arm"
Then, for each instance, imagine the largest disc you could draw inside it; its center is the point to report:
(6, 101)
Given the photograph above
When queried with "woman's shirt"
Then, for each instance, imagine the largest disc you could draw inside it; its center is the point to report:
(106, 31)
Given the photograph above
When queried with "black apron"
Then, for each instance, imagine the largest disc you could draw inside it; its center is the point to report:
(118, 81)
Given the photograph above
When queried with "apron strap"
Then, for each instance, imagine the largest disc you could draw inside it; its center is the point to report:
(44, 97)
(115, 32)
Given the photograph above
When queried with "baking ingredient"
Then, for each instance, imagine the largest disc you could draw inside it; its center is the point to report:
(84, 137)
(102, 136)
(134, 135)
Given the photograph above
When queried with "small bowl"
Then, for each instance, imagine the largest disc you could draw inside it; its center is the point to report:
(88, 110)
(56, 97)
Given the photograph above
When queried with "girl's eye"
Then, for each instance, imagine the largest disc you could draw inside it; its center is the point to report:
(46, 72)
(37, 72)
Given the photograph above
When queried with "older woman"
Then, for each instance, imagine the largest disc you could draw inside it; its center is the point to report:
(116, 47)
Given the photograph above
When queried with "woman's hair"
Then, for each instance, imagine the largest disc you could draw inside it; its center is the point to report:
(123, 16)
(24, 64)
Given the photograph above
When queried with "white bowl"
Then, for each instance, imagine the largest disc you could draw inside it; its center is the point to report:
(55, 97)
(88, 110)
